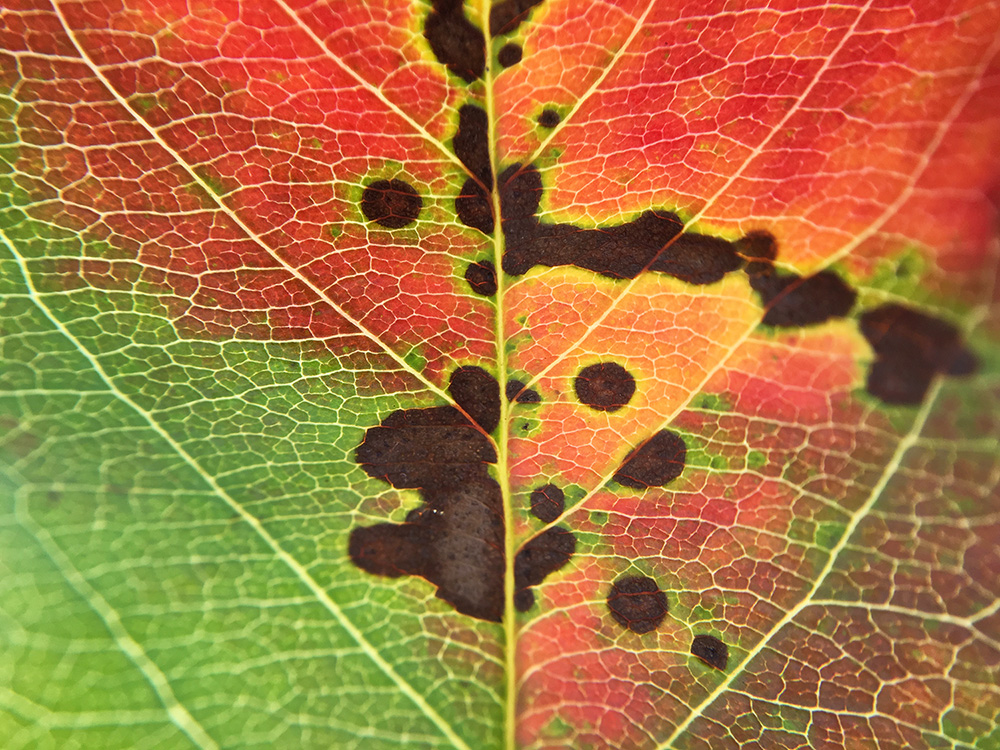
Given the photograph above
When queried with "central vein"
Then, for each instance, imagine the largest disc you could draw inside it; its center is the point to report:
(503, 475)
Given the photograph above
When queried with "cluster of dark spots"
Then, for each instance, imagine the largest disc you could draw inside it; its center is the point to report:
(456, 43)
(391, 203)
(545, 554)
(792, 300)
(506, 16)
(606, 386)
(654, 463)
(455, 540)
(516, 391)
(710, 650)
(549, 118)
(482, 277)
(510, 54)
(547, 503)
(910, 349)
(637, 604)
(654, 241)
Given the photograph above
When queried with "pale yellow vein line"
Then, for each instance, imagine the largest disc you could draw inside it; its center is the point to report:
(252, 521)
(510, 614)
(759, 149)
(857, 517)
(232, 215)
(619, 54)
(179, 715)
(370, 88)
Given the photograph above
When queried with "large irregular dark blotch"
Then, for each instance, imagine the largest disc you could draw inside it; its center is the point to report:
(391, 203)
(547, 503)
(792, 300)
(637, 604)
(541, 556)
(516, 391)
(710, 650)
(474, 205)
(456, 43)
(506, 16)
(654, 463)
(482, 278)
(455, 539)
(654, 241)
(910, 349)
(606, 386)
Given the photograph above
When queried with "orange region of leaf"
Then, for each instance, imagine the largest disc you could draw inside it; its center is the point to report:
(658, 333)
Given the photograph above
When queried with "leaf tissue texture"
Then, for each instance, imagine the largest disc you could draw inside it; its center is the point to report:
(523, 374)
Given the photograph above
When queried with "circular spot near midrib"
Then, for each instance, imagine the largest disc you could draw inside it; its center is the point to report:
(510, 54)
(391, 203)
(606, 386)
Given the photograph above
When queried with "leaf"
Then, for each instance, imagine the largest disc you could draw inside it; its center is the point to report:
(545, 374)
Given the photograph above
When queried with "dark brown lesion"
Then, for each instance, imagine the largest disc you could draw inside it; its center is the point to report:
(791, 300)
(911, 348)
(654, 241)
(636, 603)
(457, 43)
(455, 539)
(506, 16)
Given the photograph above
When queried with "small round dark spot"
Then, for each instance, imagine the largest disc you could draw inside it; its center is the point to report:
(391, 203)
(548, 503)
(549, 118)
(482, 277)
(509, 54)
(710, 650)
(606, 386)
(636, 603)
(656, 462)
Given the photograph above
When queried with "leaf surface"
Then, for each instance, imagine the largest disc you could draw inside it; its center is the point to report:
(406, 375)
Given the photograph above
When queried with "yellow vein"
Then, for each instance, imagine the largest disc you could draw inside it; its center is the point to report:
(503, 455)
(619, 54)
(179, 716)
(297, 569)
(857, 517)
(232, 215)
(710, 202)
(370, 88)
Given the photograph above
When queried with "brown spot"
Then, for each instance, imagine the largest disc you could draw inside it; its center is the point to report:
(636, 603)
